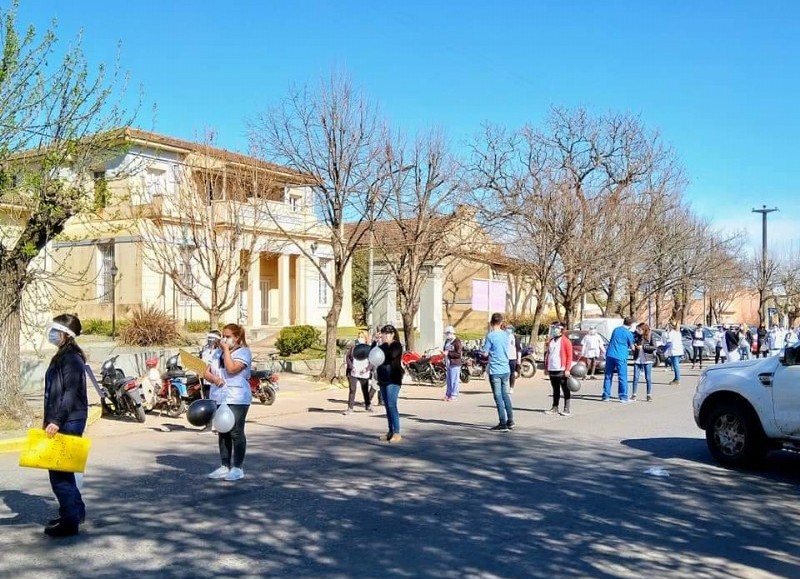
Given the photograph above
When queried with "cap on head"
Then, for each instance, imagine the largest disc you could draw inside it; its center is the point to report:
(449, 330)
(388, 329)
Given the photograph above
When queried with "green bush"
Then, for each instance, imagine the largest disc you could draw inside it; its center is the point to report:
(294, 339)
(96, 327)
(524, 325)
(150, 326)
(197, 326)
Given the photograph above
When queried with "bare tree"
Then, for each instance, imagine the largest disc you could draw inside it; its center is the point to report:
(417, 182)
(54, 120)
(203, 235)
(329, 135)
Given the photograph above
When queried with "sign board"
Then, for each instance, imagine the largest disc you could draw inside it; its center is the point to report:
(489, 295)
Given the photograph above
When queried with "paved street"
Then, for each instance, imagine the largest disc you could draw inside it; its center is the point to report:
(323, 497)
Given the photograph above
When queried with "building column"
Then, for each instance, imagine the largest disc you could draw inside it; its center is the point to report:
(284, 290)
(255, 291)
(300, 296)
(430, 310)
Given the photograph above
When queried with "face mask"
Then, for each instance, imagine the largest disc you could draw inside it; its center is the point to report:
(362, 341)
(449, 336)
(229, 342)
(638, 330)
(54, 337)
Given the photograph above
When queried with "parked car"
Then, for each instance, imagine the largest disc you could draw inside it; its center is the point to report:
(576, 337)
(687, 335)
(750, 407)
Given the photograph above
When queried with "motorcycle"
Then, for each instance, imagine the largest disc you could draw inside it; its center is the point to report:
(475, 362)
(121, 395)
(165, 392)
(425, 367)
(264, 386)
(527, 364)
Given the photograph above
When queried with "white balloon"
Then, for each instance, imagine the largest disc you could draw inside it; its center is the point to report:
(223, 419)
(376, 357)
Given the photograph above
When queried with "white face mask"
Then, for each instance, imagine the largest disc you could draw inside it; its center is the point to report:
(229, 342)
(361, 341)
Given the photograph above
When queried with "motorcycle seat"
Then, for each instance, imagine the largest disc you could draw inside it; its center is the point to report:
(261, 374)
(192, 379)
(121, 381)
(176, 373)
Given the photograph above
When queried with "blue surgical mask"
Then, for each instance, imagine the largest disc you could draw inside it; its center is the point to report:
(54, 337)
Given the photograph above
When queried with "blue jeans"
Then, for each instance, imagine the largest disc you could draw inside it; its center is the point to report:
(502, 397)
(70, 503)
(675, 362)
(648, 376)
(621, 368)
(390, 393)
(453, 376)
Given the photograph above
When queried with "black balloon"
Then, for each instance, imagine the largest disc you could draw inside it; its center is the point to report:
(361, 352)
(201, 412)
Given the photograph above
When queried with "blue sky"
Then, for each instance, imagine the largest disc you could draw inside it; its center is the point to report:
(718, 79)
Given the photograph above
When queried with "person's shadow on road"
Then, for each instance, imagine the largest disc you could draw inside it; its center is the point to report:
(24, 508)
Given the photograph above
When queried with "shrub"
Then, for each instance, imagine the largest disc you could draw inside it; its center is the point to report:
(96, 327)
(294, 339)
(197, 326)
(150, 326)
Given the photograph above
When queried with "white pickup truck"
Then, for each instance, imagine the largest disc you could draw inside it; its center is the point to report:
(750, 407)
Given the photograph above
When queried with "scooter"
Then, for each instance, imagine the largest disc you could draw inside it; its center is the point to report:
(527, 363)
(121, 395)
(164, 392)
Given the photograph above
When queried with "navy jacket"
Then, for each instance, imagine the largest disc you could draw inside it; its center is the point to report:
(65, 389)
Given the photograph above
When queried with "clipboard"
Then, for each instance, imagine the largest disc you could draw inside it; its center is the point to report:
(191, 362)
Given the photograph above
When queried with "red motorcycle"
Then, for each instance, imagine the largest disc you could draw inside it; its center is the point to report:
(264, 386)
(425, 367)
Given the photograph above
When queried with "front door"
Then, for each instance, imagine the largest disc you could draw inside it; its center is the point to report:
(265, 287)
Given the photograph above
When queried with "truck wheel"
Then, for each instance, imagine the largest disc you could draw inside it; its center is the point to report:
(734, 437)
(527, 369)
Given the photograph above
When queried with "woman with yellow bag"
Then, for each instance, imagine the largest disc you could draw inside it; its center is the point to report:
(65, 411)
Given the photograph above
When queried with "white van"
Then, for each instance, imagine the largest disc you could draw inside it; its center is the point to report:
(604, 326)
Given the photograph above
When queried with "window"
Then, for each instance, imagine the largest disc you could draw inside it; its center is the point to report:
(104, 279)
(100, 189)
(185, 273)
(323, 285)
(295, 203)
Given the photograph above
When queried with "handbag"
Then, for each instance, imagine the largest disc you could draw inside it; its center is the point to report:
(63, 452)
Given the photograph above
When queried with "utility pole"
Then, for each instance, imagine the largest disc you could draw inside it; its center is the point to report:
(764, 211)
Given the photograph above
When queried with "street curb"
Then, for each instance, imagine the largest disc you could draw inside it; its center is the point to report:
(16, 444)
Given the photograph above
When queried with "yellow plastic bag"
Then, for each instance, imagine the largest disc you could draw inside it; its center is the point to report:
(62, 452)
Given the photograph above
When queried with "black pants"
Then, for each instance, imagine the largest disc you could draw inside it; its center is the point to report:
(233, 444)
(70, 502)
(717, 354)
(558, 380)
(354, 382)
(513, 377)
(697, 355)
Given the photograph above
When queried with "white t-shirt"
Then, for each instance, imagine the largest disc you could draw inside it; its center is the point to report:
(591, 345)
(698, 340)
(237, 386)
(554, 363)
(676, 345)
(512, 347)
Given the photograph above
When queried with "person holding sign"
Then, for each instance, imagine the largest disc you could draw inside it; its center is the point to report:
(65, 412)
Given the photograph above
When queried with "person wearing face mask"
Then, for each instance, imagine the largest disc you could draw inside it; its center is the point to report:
(513, 356)
(557, 362)
(230, 378)
(592, 348)
(65, 411)
(208, 354)
(453, 349)
(358, 373)
(619, 350)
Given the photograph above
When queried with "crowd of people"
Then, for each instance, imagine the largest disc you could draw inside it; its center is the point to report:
(229, 362)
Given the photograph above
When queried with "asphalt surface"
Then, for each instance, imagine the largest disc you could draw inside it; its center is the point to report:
(323, 497)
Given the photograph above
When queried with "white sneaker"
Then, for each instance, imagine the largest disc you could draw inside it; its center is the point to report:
(220, 473)
(235, 474)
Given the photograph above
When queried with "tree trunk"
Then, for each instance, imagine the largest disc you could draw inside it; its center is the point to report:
(331, 323)
(12, 402)
(408, 330)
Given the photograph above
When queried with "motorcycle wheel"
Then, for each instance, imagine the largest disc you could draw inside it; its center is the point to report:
(438, 374)
(267, 394)
(527, 369)
(139, 411)
(465, 375)
(176, 405)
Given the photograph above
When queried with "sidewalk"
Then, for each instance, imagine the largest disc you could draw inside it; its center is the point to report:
(289, 386)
